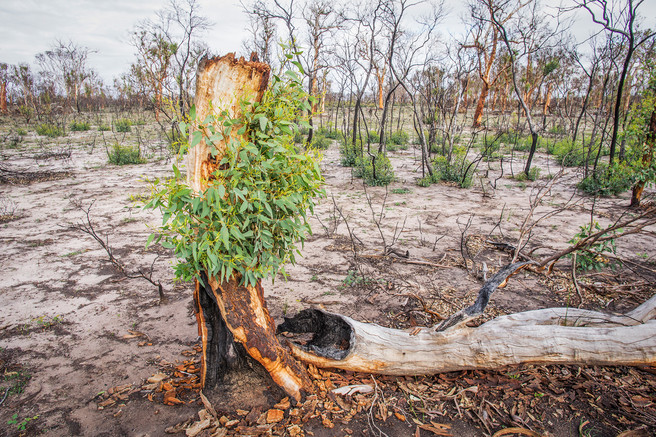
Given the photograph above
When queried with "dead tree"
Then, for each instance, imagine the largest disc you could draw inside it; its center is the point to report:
(232, 317)
(549, 336)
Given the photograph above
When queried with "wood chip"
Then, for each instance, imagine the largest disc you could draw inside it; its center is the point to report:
(274, 415)
(197, 427)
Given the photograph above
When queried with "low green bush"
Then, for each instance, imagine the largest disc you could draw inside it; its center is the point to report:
(393, 147)
(398, 138)
(320, 142)
(49, 130)
(104, 128)
(79, 126)
(383, 175)
(569, 154)
(373, 136)
(350, 153)
(458, 170)
(123, 125)
(605, 182)
(22, 132)
(533, 175)
(124, 155)
(334, 134)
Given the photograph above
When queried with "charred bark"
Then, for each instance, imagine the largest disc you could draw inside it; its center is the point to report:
(220, 352)
(232, 318)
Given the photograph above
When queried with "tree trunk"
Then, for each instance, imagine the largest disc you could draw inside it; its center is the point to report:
(228, 311)
(380, 76)
(3, 97)
(647, 157)
(550, 336)
(480, 106)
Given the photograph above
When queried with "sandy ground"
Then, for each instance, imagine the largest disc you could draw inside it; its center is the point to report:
(66, 313)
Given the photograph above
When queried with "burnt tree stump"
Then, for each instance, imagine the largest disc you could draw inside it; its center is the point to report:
(233, 319)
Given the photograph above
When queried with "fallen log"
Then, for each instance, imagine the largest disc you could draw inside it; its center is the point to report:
(548, 336)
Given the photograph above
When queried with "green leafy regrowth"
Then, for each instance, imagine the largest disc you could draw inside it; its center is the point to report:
(124, 155)
(592, 256)
(249, 221)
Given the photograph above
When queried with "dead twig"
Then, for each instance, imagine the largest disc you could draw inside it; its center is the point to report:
(575, 281)
(633, 225)
(5, 396)
(87, 228)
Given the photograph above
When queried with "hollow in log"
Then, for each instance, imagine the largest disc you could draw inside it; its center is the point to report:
(548, 336)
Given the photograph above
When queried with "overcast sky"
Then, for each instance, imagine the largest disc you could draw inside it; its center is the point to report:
(32, 26)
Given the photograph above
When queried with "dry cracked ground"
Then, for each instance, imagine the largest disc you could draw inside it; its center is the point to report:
(79, 340)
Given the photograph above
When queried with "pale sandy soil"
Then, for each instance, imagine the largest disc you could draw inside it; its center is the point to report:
(65, 310)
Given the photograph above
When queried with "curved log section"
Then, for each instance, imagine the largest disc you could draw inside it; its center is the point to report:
(549, 336)
(228, 312)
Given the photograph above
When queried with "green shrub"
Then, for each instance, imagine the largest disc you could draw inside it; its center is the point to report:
(373, 136)
(569, 154)
(104, 128)
(533, 175)
(458, 170)
(424, 182)
(490, 147)
(523, 144)
(384, 173)
(591, 256)
(124, 155)
(320, 142)
(398, 138)
(334, 134)
(123, 125)
(79, 126)
(49, 130)
(350, 153)
(22, 132)
(393, 147)
(607, 183)
(557, 129)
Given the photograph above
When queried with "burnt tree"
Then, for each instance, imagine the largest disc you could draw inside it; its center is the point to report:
(233, 317)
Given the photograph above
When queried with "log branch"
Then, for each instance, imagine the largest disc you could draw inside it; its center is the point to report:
(548, 336)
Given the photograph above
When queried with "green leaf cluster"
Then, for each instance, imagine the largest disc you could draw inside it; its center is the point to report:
(251, 218)
(592, 256)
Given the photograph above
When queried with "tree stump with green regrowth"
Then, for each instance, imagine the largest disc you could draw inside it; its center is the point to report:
(241, 212)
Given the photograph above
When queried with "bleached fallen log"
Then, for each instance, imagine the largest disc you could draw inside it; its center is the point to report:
(548, 336)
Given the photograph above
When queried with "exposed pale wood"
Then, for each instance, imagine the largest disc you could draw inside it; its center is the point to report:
(227, 311)
(548, 336)
(500, 342)
(220, 83)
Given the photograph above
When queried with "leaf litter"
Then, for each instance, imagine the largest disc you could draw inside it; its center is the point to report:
(517, 400)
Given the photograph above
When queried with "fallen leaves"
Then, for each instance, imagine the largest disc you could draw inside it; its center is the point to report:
(523, 400)
(115, 396)
(274, 415)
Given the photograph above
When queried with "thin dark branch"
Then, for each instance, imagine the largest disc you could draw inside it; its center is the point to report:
(87, 228)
